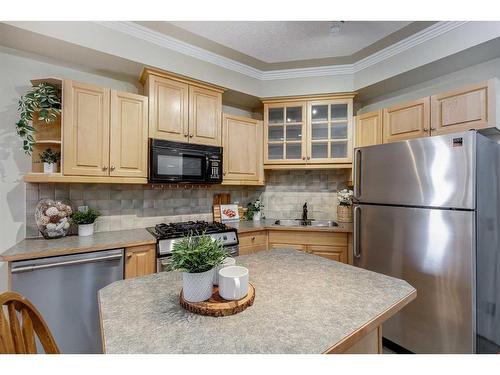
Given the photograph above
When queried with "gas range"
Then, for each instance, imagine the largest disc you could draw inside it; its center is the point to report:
(168, 234)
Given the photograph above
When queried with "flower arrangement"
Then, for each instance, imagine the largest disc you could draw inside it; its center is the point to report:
(345, 197)
(254, 208)
(50, 156)
(44, 100)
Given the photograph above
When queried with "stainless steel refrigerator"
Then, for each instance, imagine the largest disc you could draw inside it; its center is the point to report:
(428, 212)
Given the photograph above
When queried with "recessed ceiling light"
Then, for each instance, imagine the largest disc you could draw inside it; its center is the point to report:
(335, 27)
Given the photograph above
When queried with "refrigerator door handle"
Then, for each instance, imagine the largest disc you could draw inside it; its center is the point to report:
(357, 228)
(357, 176)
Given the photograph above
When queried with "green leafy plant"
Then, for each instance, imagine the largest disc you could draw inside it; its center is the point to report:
(252, 208)
(50, 156)
(85, 217)
(195, 254)
(43, 101)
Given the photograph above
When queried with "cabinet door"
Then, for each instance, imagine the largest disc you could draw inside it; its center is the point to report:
(285, 133)
(242, 143)
(368, 129)
(205, 116)
(470, 107)
(406, 121)
(329, 133)
(129, 135)
(140, 261)
(85, 129)
(338, 253)
(168, 109)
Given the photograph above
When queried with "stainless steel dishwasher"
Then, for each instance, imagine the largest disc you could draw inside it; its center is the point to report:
(64, 290)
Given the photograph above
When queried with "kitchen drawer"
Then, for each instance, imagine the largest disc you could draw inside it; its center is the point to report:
(308, 237)
(338, 253)
(251, 249)
(253, 238)
(286, 246)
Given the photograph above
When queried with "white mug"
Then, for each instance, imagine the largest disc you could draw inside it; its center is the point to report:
(233, 282)
(226, 263)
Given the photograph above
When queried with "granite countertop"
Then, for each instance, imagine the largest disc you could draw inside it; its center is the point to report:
(251, 226)
(40, 247)
(303, 304)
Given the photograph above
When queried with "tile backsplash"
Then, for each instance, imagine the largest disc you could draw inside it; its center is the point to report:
(139, 206)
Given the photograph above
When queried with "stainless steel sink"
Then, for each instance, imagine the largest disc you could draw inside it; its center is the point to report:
(302, 223)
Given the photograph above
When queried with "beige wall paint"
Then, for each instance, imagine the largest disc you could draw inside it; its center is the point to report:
(473, 74)
(15, 73)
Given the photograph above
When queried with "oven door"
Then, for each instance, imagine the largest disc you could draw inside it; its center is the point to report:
(173, 165)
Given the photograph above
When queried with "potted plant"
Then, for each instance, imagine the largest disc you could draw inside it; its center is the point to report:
(50, 159)
(197, 257)
(254, 210)
(43, 101)
(344, 208)
(85, 220)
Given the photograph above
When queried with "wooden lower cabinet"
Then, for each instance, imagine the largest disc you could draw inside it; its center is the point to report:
(330, 245)
(140, 260)
(252, 242)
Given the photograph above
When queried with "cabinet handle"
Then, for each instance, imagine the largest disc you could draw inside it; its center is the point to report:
(112, 168)
(224, 173)
(425, 129)
(253, 238)
(190, 135)
(308, 158)
(186, 135)
(304, 158)
(433, 128)
(104, 168)
(129, 256)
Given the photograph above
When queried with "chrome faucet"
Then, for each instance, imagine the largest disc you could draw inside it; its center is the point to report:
(304, 212)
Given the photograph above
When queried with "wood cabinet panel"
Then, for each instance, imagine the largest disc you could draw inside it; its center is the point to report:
(205, 110)
(168, 109)
(253, 238)
(243, 152)
(338, 253)
(140, 261)
(251, 249)
(129, 135)
(308, 238)
(369, 129)
(470, 107)
(407, 121)
(276, 245)
(85, 129)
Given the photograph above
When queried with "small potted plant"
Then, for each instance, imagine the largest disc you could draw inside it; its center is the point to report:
(197, 258)
(344, 208)
(50, 159)
(85, 220)
(254, 210)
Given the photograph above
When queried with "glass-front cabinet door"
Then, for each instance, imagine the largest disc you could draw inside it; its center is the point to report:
(285, 133)
(329, 131)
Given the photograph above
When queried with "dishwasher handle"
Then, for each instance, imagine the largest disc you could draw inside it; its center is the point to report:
(66, 263)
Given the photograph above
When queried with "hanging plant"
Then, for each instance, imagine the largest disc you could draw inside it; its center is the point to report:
(44, 101)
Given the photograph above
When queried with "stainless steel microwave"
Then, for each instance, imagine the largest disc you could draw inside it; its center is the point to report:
(176, 162)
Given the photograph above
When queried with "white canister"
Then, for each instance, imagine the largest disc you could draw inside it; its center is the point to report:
(233, 282)
(197, 287)
(227, 262)
(49, 167)
(257, 215)
(85, 229)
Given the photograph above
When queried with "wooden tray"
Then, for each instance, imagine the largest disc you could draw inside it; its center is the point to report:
(217, 306)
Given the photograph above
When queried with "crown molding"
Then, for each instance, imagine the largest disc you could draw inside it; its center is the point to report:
(143, 33)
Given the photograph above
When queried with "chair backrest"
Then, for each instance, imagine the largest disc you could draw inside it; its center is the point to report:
(17, 337)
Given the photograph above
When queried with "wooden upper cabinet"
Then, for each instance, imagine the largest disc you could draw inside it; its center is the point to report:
(129, 135)
(406, 121)
(243, 151)
(205, 109)
(85, 129)
(140, 261)
(470, 107)
(168, 108)
(369, 129)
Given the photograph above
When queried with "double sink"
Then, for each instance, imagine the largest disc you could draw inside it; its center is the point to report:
(304, 223)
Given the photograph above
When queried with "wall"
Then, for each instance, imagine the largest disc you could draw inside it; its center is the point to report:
(15, 73)
(137, 206)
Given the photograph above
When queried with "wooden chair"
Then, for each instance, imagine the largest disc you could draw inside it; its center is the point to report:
(20, 339)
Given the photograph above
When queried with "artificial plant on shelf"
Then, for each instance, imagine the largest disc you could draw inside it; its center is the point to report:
(196, 257)
(44, 102)
(50, 158)
(254, 210)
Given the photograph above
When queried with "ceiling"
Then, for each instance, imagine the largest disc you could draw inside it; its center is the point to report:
(282, 41)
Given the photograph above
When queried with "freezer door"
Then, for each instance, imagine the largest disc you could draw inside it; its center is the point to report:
(430, 172)
(431, 249)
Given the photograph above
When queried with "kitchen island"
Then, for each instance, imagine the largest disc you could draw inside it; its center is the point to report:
(303, 304)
